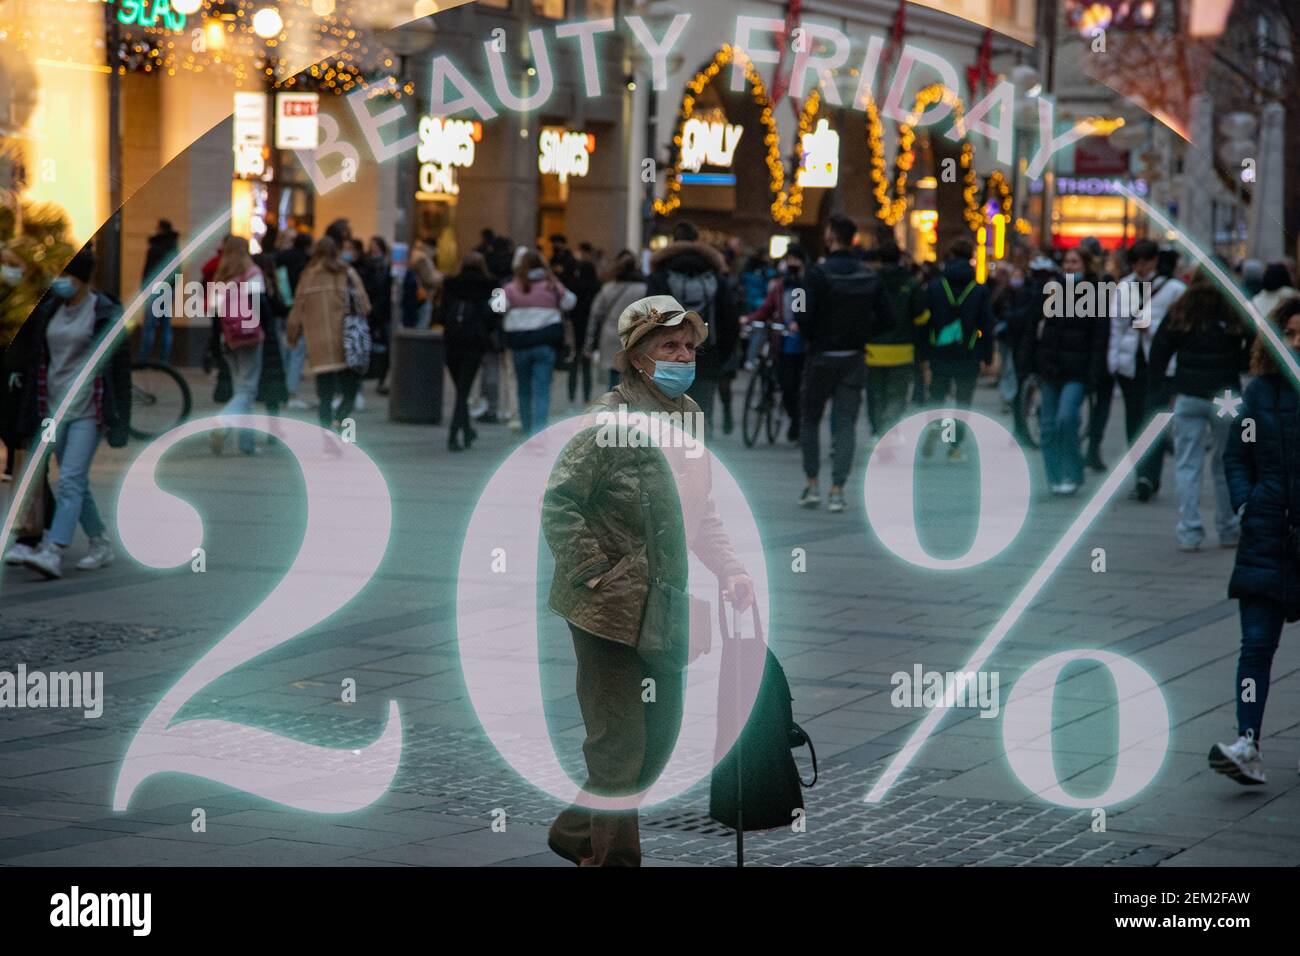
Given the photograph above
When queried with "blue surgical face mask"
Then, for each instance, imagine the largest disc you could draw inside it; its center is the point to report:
(674, 378)
(11, 275)
(348, 256)
(63, 287)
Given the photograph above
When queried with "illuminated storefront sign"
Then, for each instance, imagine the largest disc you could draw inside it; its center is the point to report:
(150, 13)
(445, 146)
(711, 141)
(820, 166)
(296, 120)
(249, 134)
(565, 153)
(1091, 186)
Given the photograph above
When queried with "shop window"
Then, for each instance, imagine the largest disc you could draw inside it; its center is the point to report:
(600, 9)
(550, 8)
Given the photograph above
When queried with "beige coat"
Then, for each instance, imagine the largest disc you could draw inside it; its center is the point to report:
(319, 305)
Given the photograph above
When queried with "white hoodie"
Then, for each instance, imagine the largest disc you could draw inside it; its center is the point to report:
(1121, 354)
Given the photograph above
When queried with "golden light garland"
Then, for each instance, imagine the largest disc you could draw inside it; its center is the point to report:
(998, 185)
(890, 208)
(787, 204)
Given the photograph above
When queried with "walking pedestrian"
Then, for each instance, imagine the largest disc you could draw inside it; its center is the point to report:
(272, 389)
(780, 306)
(163, 245)
(1068, 353)
(847, 304)
(289, 265)
(1129, 352)
(693, 272)
(1103, 392)
(534, 328)
(624, 285)
(236, 297)
(958, 342)
(377, 276)
(604, 507)
(328, 290)
(891, 349)
(468, 320)
(585, 284)
(1275, 286)
(1206, 337)
(1262, 466)
(90, 404)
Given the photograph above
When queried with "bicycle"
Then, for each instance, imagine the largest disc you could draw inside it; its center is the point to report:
(160, 399)
(763, 406)
(1030, 398)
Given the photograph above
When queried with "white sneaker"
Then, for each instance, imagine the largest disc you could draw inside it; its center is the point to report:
(1240, 761)
(516, 425)
(1067, 488)
(298, 405)
(48, 561)
(99, 556)
(360, 404)
(19, 554)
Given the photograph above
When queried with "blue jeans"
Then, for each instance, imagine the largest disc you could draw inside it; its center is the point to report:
(245, 373)
(1059, 427)
(1008, 384)
(74, 449)
(533, 370)
(1261, 630)
(1192, 416)
(154, 324)
(294, 359)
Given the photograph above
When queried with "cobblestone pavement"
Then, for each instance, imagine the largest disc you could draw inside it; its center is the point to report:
(841, 630)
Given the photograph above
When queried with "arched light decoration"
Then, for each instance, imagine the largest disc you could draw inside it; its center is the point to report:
(186, 6)
(267, 23)
(787, 204)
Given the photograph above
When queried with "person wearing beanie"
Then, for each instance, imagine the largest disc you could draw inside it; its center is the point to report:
(85, 402)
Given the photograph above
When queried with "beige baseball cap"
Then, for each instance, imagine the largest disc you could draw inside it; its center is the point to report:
(656, 312)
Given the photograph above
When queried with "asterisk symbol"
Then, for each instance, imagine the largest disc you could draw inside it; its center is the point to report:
(1227, 404)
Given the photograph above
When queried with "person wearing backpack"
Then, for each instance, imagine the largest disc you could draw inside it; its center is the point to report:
(891, 350)
(958, 341)
(847, 304)
(693, 272)
(467, 319)
(327, 293)
(235, 297)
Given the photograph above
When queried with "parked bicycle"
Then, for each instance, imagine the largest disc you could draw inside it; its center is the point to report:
(763, 408)
(1031, 403)
(160, 399)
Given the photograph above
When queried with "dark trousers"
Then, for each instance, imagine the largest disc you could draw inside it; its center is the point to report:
(1261, 630)
(1141, 402)
(960, 383)
(462, 367)
(344, 383)
(628, 743)
(704, 390)
(581, 367)
(789, 372)
(838, 379)
(1099, 413)
(887, 387)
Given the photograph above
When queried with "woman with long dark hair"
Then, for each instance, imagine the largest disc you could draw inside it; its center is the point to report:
(1262, 466)
(467, 320)
(1206, 335)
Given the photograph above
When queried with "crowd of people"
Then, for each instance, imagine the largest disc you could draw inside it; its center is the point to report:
(859, 321)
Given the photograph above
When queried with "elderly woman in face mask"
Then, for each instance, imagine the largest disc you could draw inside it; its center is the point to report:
(604, 507)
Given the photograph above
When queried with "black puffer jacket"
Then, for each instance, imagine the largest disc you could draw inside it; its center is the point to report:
(1068, 348)
(695, 259)
(1210, 358)
(1264, 475)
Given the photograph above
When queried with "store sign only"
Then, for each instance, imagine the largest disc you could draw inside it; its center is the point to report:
(565, 153)
(249, 134)
(1091, 186)
(150, 13)
(820, 167)
(297, 120)
(445, 146)
(713, 142)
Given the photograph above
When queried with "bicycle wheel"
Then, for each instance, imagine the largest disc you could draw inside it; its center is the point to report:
(160, 399)
(752, 418)
(775, 414)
